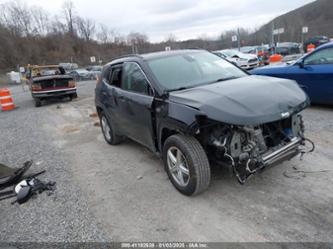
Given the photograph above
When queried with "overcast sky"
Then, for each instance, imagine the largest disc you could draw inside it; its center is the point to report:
(184, 18)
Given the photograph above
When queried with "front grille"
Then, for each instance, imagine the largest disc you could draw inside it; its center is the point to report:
(253, 60)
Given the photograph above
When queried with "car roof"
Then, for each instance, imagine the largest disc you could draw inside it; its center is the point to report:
(288, 44)
(162, 54)
(327, 45)
(154, 55)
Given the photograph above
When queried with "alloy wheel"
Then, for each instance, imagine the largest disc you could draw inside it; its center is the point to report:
(178, 166)
(106, 128)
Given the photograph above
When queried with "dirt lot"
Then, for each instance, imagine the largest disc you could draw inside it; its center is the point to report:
(122, 193)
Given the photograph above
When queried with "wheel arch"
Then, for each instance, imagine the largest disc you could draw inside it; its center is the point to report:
(165, 134)
(99, 110)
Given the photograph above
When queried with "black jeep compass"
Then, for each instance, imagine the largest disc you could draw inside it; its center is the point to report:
(193, 108)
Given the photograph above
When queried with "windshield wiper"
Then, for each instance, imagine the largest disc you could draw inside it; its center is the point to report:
(178, 89)
(225, 79)
(215, 81)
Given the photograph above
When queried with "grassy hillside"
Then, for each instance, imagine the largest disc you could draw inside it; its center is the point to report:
(318, 16)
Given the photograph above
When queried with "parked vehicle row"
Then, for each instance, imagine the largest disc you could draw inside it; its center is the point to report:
(192, 108)
(89, 73)
(313, 72)
(81, 74)
(316, 40)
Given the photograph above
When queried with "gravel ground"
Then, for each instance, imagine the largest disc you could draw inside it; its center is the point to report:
(64, 216)
(122, 192)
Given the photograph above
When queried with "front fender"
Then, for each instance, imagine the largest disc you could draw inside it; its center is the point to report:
(177, 118)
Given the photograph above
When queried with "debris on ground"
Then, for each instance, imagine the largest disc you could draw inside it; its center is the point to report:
(299, 174)
(93, 115)
(10, 176)
(70, 129)
(23, 188)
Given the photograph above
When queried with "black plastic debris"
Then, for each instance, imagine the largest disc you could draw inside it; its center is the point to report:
(23, 188)
(10, 176)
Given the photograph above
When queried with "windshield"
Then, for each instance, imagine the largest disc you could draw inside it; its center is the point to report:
(192, 69)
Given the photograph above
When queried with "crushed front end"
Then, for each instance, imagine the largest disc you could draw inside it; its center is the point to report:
(249, 149)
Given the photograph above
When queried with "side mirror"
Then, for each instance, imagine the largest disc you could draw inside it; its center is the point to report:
(301, 64)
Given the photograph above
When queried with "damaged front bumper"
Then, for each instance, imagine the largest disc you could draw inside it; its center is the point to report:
(53, 93)
(282, 154)
(243, 170)
(249, 149)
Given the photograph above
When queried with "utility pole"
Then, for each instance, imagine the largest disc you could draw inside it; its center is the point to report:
(238, 40)
(273, 27)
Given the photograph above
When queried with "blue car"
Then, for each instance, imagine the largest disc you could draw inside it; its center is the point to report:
(313, 72)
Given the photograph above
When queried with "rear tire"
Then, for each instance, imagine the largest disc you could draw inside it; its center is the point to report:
(72, 96)
(108, 131)
(38, 102)
(192, 160)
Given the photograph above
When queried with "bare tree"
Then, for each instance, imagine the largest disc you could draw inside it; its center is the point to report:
(137, 38)
(16, 16)
(86, 28)
(57, 26)
(68, 12)
(119, 40)
(40, 20)
(105, 34)
(171, 38)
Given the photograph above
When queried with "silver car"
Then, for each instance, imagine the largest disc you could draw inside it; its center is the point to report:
(245, 61)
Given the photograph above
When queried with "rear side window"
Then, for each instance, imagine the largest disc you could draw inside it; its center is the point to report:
(112, 75)
(134, 79)
(115, 79)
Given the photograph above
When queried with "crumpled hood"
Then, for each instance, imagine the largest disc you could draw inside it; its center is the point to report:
(249, 100)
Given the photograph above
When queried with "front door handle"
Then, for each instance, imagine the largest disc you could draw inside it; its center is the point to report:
(303, 87)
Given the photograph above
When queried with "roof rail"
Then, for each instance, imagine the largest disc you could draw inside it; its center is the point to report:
(197, 48)
(127, 55)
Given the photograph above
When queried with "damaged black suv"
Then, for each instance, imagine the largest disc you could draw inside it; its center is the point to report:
(193, 108)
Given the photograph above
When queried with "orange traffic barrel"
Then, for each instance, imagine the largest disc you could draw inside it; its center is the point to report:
(275, 58)
(6, 100)
(310, 48)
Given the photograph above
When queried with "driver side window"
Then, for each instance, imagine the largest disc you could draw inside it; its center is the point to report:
(134, 79)
(321, 57)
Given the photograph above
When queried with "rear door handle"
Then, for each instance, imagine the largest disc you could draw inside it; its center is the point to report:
(122, 98)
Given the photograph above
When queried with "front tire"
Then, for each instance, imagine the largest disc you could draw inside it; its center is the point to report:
(108, 131)
(186, 164)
